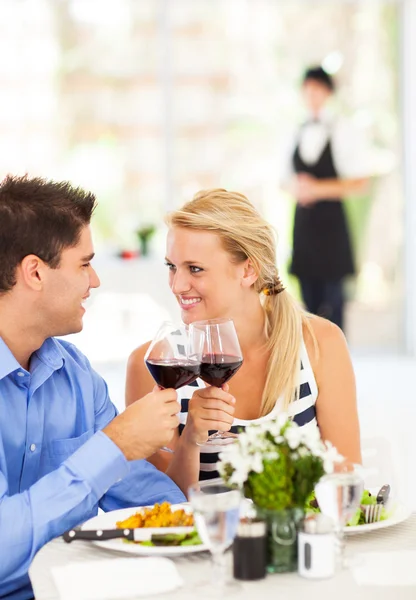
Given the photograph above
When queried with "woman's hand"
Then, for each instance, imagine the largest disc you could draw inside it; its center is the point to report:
(210, 408)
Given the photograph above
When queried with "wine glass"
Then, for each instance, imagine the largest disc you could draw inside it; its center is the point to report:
(339, 496)
(221, 359)
(174, 357)
(216, 510)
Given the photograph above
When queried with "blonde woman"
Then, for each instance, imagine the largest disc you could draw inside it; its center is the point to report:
(221, 262)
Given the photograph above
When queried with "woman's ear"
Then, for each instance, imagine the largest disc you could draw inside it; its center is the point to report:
(250, 275)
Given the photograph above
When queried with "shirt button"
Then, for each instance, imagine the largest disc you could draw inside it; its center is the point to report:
(32, 447)
(20, 374)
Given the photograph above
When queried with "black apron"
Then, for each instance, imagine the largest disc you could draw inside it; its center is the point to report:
(321, 242)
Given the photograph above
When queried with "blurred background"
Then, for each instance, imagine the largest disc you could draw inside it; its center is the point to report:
(145, 102)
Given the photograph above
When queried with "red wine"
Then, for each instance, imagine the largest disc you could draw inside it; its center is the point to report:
(173, 372)
(217, 369)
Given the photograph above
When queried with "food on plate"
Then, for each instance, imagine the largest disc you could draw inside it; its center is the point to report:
(160, 515)
(174, 539)
(359, 517)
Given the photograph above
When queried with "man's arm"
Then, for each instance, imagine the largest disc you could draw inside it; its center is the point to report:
(144, 486)
(55, 503)
(70, 494)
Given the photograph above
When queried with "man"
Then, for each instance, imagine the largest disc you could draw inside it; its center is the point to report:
(63, 449)
(331, 159)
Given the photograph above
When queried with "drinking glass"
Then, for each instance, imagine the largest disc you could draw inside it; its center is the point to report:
(221, 359)
(339, 496)
(216, 510)
(174, 357)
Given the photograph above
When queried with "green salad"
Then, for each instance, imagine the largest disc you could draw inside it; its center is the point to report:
(174, 539)
(359, 517)
(171, 539)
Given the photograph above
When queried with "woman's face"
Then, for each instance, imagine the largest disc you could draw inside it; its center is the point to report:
(206, 283)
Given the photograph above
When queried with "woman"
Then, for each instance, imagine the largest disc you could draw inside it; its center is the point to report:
(221, 261)
(331, 159)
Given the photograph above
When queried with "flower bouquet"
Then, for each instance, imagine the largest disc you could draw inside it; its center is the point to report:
(276, 463)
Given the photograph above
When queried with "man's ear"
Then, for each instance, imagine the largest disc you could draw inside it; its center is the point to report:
(32, 271)
(250, 275)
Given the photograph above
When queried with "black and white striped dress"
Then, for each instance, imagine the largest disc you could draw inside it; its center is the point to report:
(301, 410)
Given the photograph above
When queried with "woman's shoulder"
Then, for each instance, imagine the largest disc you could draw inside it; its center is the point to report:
(136, 358)
(322, 338)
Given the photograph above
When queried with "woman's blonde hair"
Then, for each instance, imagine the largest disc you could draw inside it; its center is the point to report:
(246, 235)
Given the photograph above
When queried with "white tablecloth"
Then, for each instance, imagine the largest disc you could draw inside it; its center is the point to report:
(195, 567)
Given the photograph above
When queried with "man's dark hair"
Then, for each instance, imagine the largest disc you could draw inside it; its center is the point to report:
(319, 75)
(40, 217)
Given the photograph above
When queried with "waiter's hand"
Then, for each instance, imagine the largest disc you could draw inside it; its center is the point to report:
(306, 189)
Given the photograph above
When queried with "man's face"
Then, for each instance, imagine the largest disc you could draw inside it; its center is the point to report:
(315, 95)
(67, 287)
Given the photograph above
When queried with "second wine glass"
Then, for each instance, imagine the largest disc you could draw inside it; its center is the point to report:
(174, 357)
(221, 359)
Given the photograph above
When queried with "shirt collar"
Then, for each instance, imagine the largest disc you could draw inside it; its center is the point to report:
(326, 116)
(49, 353)
(8, 362)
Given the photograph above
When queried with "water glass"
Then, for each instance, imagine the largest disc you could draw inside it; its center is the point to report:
(339, 496)
(216, 511)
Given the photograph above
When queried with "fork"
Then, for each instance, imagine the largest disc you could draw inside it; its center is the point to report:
(372, 513)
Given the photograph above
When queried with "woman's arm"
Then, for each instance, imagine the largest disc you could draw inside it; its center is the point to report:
(210, 408)
(336, 405)
(139, 382)
(308, 189)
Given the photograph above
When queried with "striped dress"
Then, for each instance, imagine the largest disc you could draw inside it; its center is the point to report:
(302, 411)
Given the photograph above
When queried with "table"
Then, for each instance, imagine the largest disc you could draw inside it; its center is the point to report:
(195, 567)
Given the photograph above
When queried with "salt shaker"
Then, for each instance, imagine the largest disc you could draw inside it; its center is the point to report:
(316, 548)
(249, 550)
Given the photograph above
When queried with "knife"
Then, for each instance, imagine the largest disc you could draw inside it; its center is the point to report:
(383, 494)
(142, 534)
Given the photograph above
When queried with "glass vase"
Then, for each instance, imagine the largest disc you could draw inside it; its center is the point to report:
(144, 245)
(282, 538)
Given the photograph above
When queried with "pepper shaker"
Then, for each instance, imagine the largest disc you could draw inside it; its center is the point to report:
(249, 550)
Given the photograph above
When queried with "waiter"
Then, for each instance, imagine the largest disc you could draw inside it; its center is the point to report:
(330, 161)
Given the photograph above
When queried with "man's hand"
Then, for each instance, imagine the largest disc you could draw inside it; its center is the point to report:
(146, 425)
(210, 408)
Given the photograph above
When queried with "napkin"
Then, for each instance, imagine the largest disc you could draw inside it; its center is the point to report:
(116, 578)
(385, 568)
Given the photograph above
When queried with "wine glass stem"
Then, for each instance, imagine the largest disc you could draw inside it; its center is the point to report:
(340, 538)
(218, 570)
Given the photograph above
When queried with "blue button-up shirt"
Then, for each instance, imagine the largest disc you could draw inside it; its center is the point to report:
(56, 466)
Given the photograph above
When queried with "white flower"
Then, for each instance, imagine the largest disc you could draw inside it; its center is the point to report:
(260, 442)
(282, 419)
(331, 456)
(257, 464)
(293, 437)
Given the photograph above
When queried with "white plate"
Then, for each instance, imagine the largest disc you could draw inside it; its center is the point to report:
(108, 521)
(398, 513)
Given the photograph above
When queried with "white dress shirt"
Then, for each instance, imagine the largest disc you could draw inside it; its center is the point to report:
(353, 154)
